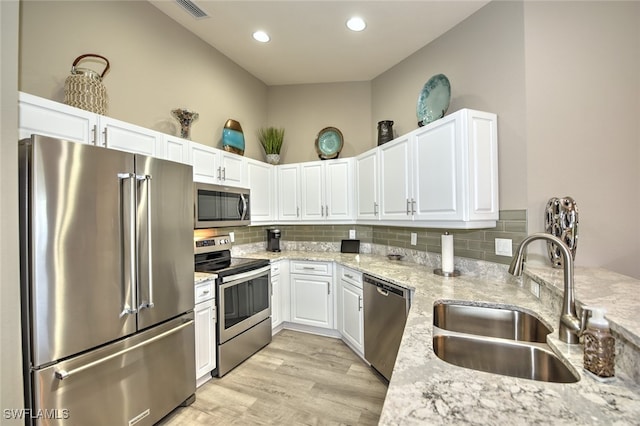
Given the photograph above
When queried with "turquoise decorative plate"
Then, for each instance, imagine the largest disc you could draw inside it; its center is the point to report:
(329, 143)
(433, 100)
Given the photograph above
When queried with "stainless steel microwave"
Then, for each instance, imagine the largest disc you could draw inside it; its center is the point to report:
(219, 205)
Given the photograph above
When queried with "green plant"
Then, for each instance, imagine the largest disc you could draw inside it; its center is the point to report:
(271, 139)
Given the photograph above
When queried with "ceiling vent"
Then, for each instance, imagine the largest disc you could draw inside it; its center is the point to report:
(193, 9)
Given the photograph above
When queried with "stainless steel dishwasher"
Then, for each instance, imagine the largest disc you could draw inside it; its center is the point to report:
(385, 313)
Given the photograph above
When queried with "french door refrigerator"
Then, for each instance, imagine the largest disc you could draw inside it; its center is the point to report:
(107, 284)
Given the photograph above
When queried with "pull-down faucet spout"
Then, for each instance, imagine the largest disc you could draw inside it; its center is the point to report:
(570, 325)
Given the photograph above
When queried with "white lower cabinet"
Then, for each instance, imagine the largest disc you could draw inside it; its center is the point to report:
(350, 308)
(205, 331)
(312, 294)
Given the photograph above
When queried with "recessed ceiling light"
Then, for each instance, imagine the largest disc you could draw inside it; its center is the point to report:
(356, 24)
(261, 36)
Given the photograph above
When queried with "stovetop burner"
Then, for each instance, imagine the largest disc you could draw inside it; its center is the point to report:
(213, 255)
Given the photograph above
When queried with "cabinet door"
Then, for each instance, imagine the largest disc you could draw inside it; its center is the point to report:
(351, 315)
(45, 117)
(116, 134)
(261, 181)
(289, 192)
(177, 149)
(205, 329)
(205, 163)
(482, 136)
(437, 164)
(339, 190)
(232, 170)
(367, 178)
(311, 300)
(312, 191)
(276, 300)
(395, 175)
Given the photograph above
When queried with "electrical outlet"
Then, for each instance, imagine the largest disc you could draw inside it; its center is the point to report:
(352, 234)
(414, 239)
(232, 236)
(504, 247)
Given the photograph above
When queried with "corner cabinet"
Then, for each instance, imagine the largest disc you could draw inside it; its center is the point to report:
(261, 181)
(312, 293)
(444, 174)
(367, 183)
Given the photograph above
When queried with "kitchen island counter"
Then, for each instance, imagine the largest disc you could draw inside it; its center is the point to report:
(426, 390)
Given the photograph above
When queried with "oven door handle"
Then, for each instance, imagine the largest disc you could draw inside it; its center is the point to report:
(246, 276)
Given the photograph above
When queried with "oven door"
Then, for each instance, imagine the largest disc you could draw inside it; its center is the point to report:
(244, 300)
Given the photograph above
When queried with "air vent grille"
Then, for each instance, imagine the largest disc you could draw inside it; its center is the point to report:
(193, 9)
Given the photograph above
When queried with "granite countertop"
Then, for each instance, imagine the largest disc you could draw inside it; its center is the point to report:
(427, 390)
(200, 277)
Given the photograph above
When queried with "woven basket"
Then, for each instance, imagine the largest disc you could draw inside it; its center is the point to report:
(84, 89)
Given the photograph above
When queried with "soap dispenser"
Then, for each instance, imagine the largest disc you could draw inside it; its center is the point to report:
(599, 346)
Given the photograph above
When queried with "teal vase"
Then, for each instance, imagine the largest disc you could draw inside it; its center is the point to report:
(232, 137)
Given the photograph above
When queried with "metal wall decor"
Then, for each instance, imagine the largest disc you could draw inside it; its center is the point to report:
(561, 220)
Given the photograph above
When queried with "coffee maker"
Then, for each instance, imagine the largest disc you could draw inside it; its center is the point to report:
(273, 240)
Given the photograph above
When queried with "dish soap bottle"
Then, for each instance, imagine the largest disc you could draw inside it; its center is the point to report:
(599, 346)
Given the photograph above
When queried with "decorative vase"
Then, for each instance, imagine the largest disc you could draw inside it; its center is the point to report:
(185, 117)
(561, 220)
(385, 131)
(273, 158)
(232, 137)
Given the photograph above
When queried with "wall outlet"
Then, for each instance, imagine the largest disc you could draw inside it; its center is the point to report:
(504, 247)
(352, 234)
(414, 239)
(232, 236)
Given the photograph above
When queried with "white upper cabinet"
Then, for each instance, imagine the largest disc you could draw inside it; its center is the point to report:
(116, 134)
(177, 149)
(232, 169)
(327, 190)
(288, 192)
(367, 185)
(261, 181)
(444, 174)
(45, 117)
(204, 160)
(396, 187)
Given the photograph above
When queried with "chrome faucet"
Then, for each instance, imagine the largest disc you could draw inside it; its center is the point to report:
(570, 326)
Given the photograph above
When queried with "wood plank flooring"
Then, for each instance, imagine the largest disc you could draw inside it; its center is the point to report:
(298, 379)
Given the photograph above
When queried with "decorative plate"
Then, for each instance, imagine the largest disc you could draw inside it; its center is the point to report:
(329, 143)
(433, 100)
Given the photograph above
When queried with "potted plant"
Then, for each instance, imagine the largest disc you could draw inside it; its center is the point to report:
(271, 140)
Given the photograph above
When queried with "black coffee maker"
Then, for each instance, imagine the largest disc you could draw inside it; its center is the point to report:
(273, 240)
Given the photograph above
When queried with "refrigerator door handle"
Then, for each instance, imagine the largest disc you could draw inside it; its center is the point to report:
(126, 308)
(149, 303)
(64, 374)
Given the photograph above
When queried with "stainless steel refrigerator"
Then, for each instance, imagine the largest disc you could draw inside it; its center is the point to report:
(107, 284)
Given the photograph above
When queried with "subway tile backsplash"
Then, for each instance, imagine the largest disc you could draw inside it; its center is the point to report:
(475, 244)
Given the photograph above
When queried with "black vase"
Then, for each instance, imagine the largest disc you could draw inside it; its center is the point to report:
(385, 131)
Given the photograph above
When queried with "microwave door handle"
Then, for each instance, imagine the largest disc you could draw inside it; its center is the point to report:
(244, 206)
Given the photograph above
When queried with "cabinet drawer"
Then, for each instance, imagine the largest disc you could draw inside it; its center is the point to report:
(204, 291)
(311, 268)
(275, 269)
(351, 276)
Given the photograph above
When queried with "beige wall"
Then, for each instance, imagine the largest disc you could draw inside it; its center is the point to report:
(303, 110)
(10, 355)
(156, 66)
(483, 59)
(583, 110)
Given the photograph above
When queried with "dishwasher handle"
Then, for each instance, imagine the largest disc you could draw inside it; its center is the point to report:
(384, 288)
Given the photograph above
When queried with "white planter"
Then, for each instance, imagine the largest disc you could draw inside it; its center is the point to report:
(273, 158)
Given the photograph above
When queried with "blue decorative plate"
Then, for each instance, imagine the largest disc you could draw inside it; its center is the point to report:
(433, 100)
(329, 143)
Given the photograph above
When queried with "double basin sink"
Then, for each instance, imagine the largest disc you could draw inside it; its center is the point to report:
(497, 339)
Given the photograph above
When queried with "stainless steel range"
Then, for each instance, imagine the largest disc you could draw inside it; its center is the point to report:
(243, 299)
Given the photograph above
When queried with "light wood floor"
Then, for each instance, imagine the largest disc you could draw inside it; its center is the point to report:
(298, 379)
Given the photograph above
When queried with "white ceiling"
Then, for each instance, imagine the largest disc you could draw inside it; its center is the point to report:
(309, 40)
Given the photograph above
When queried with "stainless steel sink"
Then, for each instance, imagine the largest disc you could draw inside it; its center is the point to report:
(497, 339)
(499, 321)
(506, 357)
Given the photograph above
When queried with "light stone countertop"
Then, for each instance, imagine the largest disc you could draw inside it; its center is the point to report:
(426, 390)
(200, 277)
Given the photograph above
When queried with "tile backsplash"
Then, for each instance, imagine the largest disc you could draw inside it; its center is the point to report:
(475, 244)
